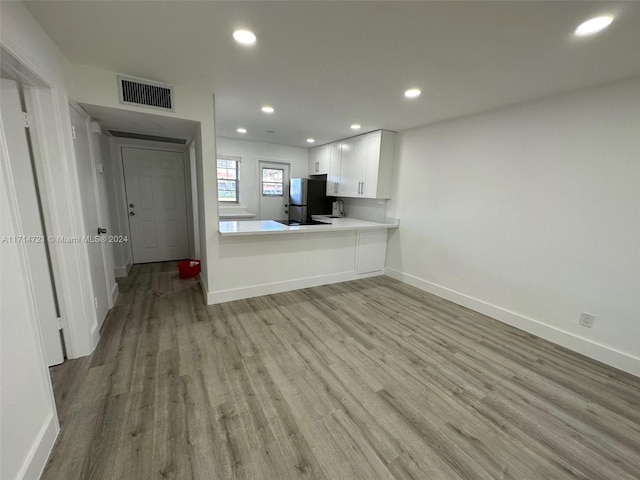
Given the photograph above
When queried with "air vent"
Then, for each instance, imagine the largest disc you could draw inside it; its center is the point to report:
(141, 136)
(148, 94)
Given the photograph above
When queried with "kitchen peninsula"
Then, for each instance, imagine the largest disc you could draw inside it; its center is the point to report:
(263, 256)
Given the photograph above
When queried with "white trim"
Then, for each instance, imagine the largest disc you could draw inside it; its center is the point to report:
(284, 286)
(115, 292)
(123, 271)
(238, 160)
(589, 348)
(42, 446)
(203, 287)
(38, 456)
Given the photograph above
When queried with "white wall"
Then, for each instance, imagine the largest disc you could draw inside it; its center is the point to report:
(371, 209)
(250, 153)
(530, 214)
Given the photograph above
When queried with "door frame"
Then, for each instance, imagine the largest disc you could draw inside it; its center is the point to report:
(53, 152)
(24, 199)
(259, 180)
(111, 295)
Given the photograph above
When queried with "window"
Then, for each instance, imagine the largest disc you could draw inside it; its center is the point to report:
(273, 182)
(228, 191)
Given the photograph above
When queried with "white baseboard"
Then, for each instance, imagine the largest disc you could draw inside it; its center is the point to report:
(115, 291)
(95, 337)
(122, 271)
(205, 293)
(602, 353)
(285, 286)
(36, 460)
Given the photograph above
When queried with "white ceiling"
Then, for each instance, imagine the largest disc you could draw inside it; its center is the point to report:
(325, 65)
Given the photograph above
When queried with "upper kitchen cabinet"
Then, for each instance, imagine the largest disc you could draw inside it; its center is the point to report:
(333, 175)
(319, 160)
(367, 165)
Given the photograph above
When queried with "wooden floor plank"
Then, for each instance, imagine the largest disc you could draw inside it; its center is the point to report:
(371, 379)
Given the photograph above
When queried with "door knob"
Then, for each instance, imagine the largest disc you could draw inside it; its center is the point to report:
(101, 231)
(131, 205)
(132, 213)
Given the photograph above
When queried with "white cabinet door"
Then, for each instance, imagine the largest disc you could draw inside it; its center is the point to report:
(361, 166)
(352, 168)
(319, 160)
(371, 251)
(370, 162)
(333, 175)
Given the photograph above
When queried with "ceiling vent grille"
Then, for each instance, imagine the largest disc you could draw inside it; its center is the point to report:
(148, 94)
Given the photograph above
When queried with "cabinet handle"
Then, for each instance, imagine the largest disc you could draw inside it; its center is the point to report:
(362, 188)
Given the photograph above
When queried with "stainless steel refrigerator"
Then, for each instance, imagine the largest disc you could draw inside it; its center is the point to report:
(308, 196)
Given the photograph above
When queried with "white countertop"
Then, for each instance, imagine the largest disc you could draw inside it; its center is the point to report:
(270, 227)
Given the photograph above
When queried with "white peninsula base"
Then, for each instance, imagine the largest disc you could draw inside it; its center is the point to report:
(263, 257)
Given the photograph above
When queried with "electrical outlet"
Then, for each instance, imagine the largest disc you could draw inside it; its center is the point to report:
(586, 319)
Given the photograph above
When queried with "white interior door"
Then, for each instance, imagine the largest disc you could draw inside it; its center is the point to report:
(274, 190)
(156, 200)
(90, 209)
(24, 182)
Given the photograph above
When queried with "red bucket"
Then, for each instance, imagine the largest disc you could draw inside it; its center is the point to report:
(189, 268)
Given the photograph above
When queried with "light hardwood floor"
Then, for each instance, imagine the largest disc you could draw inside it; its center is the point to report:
(371, 379)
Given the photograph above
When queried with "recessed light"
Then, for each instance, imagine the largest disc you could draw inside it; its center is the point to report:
(593, 25)
(241, 130)
(311, 140)
(268, 109)
(356, 126)
(412, 93)
(244, 37)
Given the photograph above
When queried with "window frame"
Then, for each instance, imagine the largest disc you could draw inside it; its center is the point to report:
(229, 158)
(262, 182)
